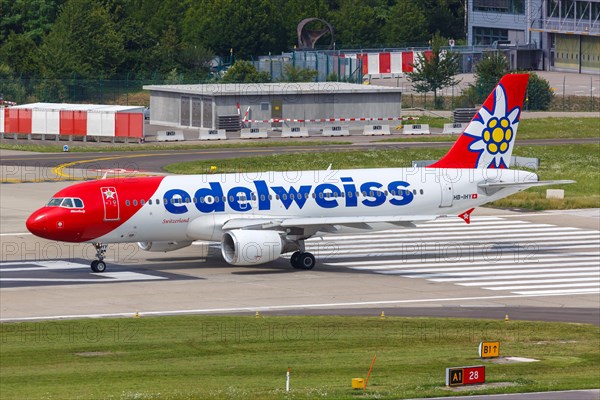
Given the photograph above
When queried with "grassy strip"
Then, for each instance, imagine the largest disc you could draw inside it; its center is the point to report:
(244, 357)
(536, 128)
(578, 162)
(74, 148)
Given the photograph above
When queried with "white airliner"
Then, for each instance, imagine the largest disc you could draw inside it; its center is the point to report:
(259, 216)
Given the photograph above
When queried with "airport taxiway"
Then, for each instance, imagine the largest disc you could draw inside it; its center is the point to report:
(528, 265)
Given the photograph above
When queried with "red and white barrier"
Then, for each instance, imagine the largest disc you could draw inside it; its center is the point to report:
(275, 120)
(74, 119)
(389, 63)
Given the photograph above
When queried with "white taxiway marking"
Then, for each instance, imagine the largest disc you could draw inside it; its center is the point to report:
(15, 234)
(119, 276)
(491, 254)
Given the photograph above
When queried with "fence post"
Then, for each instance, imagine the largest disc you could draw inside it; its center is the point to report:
(563, 96)
(591, 97)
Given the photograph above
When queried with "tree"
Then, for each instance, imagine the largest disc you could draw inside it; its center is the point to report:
(488, 72)
(407, 24)
(83, 42)
(539, 93)
(11, 88)
(436, 72)
(297, 74)
(359, 23)
(244, 72)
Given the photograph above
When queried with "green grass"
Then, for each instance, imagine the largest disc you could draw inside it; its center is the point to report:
(247, 358)
(579, 162)
(91, 148)
(529, 129)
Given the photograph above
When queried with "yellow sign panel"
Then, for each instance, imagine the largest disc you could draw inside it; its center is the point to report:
(489, 349)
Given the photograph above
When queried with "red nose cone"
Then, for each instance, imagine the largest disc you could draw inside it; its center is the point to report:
(37, 223)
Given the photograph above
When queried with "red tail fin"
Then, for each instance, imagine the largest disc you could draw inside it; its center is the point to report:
(488, 140)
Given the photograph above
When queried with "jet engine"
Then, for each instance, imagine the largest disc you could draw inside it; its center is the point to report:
(250, 247)
(163, 246)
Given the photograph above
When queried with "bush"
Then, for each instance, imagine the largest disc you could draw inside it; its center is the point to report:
(539, 93)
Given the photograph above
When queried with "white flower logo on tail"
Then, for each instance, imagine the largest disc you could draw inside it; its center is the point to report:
(494, 132)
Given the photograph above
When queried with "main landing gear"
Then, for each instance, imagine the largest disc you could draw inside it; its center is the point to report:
(99, 265)
(302, 259)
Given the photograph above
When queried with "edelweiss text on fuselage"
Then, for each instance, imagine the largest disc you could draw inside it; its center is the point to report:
(325, 195)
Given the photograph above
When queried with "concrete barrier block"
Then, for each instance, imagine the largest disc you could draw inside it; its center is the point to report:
(253, 133)
(294, 131)
(416, 129)
(454, 128)
(169, 136)
(336, 130)
(555, 194)
(376, 130)
(212, 134)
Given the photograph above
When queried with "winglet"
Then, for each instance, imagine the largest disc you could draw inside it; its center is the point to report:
(466, 216)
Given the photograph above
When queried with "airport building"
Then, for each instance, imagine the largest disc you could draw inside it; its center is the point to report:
(554, 35)
(222, 106)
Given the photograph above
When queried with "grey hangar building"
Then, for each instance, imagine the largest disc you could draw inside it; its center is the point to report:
(223, 106)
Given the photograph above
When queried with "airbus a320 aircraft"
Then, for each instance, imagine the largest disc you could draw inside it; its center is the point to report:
(256, 217)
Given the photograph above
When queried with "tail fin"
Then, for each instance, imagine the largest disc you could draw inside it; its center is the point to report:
(488, 140)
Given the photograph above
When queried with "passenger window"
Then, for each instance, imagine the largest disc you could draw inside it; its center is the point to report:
(127, 203)
(421, 191)
(277, 196)
(415, 191)
(157, 201)
(262, 197)
(150, 201)
(350, 194)
(78, 203)
(135, 202)
(142, 202)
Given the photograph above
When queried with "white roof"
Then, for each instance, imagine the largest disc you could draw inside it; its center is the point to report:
(248, 89)
(80, 107)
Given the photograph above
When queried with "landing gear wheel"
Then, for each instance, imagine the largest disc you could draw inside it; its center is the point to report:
(98, 266)
(294, 259)
(306, 261)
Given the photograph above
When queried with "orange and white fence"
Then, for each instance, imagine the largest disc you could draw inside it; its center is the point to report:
(73, 120)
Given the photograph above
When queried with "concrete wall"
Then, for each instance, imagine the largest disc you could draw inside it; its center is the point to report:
(166, 106)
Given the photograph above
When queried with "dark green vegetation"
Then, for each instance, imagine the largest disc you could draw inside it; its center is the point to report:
(577, 162)
(247, 358)
(53, 40)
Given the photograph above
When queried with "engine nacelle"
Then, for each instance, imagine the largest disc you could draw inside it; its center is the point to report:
(248, 247)
(163, 246)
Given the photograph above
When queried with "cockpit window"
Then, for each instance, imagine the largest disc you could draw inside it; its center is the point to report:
(65, 202)
(55, 202)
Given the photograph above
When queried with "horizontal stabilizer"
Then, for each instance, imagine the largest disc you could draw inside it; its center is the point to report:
(501, 185)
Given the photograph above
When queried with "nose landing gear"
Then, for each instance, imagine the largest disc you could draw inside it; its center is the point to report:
(99, 265)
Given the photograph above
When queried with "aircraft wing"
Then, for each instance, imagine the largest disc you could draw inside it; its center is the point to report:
(502, 185)
(361, 222)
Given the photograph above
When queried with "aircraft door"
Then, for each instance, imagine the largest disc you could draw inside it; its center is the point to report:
(110, 200)
(447, 197)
